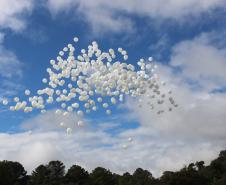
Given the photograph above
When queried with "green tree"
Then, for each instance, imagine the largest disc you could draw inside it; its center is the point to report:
(218, 166)
(76, 175)
(143, 177)
(101, 176)
(187, 176)
(39, 176)
(126, 179)
(51, 174)
(56, 172)
(200, 165)
(221, 181)
(166, 178)
(12, 173)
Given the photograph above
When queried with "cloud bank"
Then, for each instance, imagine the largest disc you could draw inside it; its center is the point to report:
(195, 72)
(114, 16)
(194, 131)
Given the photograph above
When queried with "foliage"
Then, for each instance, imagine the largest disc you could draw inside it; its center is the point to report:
(13, 173)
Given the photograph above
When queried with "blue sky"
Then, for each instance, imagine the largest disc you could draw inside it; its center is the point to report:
(186, 38)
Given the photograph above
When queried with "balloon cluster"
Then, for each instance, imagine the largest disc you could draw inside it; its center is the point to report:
(93, 80)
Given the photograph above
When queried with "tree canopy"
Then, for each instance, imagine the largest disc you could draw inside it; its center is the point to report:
(53, 173)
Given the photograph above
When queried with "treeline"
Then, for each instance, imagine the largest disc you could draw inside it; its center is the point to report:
(13, 173)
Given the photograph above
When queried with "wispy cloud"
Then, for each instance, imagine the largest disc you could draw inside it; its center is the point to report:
(10, 68)
(202, 60)
(165, 142)
(114, 16)
(14, 17)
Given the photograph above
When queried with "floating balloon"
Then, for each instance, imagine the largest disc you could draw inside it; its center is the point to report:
(29, 132)
(5, 102)
(124, 146)
(94, 80)
(80, 123)
(130, 139)
(69, 131)
(27, 92)
(62, 124)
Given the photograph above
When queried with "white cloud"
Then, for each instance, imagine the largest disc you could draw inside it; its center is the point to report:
(2, 36)
(201, 61)
(194, 131)
(10, 66)
(111, 15)
(13, 16)
(89, 150)
(198, 124)
(13, 13)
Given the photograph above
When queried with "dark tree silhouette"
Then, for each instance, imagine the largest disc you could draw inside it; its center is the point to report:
(76, 175)
(200, 165)
(12, 173)
(143, 177)
(101, 176)
(126, 179)
(51, 174)
(39, 176)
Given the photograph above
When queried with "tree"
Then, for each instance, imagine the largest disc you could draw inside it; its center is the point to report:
(101, 176)
(12, 173)
(143, 177)
(218, 166)
(56, 172)
(221, 181)
(166, 177)
(51, 174)
(76, 175)
(200, 165)
(126, 179)
(39, 176)
(186, 176)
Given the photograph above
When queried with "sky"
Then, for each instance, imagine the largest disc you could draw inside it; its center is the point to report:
(186, 39)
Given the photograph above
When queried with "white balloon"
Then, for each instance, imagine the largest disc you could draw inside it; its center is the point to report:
(94, 76)
(75, 105)
(16, 99)
(76, 39)
(105, 105)
(44, 80)
(63, 105)
(12, 108)
(69, 109)
(80, 123)
(62, 124)
(69, 131)
(58, 111)
(65, 113)
(130, 139)
(5, 102)
(99, 99)
(113, 100)
(27, 92)
(124, 146)
(94, 108)
(43, 111)
(150, 59)
(80, 113)
(108, 112)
